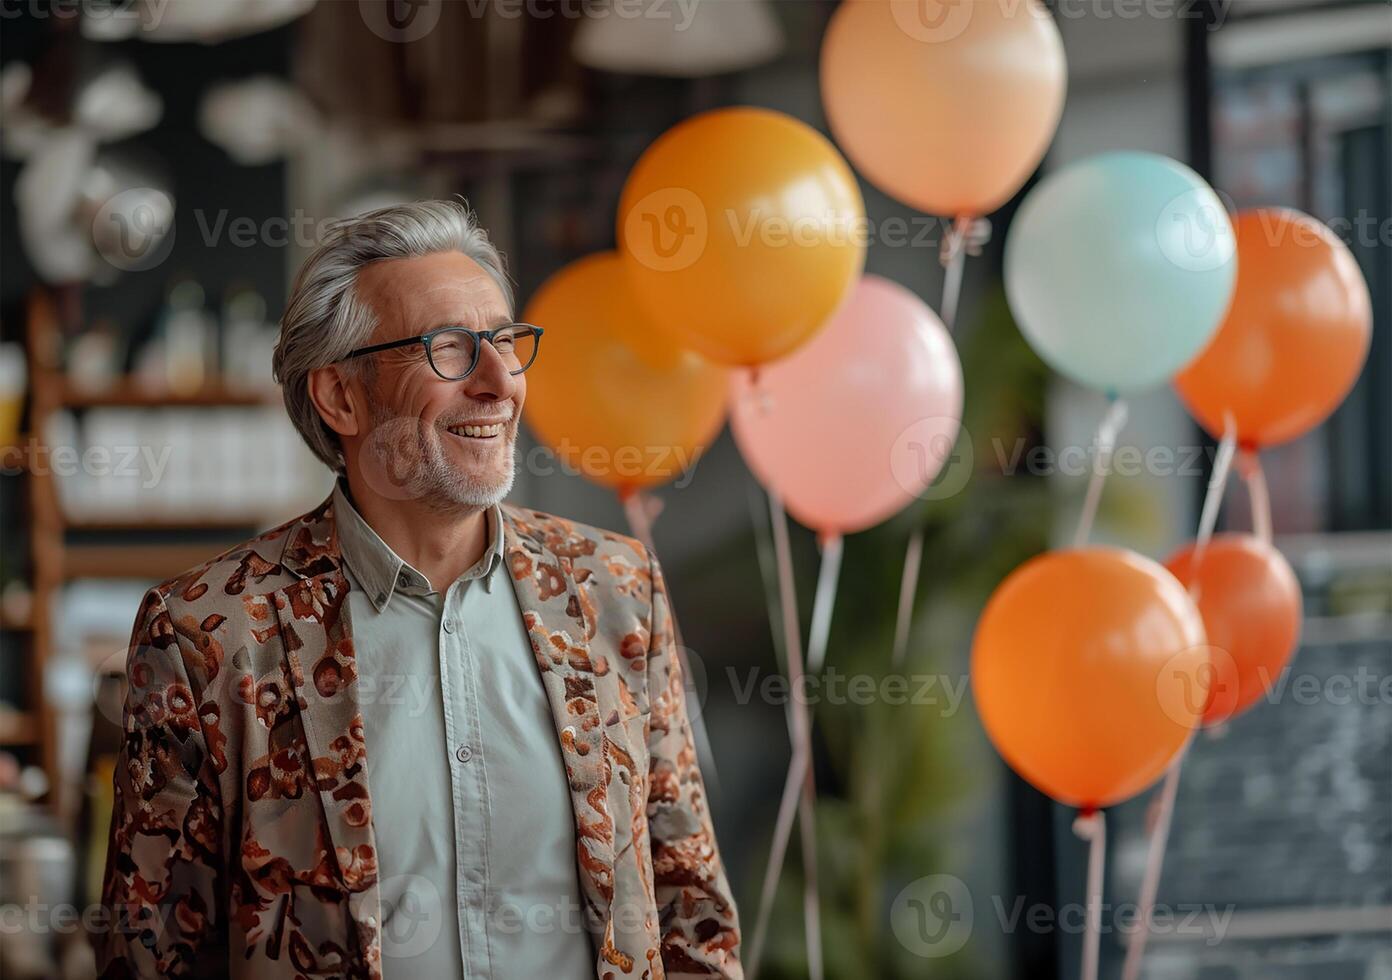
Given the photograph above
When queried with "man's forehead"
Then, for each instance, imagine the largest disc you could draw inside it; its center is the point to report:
(430, 290)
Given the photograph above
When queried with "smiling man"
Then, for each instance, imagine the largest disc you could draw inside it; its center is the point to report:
(416, 732)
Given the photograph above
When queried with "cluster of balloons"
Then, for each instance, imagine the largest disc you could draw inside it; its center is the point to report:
(1092, 667)
(741, 244)
(737, 288)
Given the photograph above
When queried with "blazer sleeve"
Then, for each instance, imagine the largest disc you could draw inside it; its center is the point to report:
(162, 887)
(698, 920)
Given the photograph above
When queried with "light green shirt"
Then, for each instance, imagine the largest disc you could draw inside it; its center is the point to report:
(472, 814)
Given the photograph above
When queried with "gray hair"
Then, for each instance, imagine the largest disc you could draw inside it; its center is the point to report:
(325, 318)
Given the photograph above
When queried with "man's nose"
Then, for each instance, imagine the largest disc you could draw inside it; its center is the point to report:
(490, 380)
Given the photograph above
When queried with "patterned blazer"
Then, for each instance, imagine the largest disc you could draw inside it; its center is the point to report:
(242, 840)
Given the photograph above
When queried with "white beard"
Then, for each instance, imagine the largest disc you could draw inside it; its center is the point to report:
(408, 463)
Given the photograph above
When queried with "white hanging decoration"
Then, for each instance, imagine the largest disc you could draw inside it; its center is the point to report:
(679, 39)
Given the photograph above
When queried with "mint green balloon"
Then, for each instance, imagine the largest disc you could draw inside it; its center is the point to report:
(1119, 269)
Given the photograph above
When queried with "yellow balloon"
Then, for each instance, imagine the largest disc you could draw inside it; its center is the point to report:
(948, 107)
(626, 414)
(741, 230)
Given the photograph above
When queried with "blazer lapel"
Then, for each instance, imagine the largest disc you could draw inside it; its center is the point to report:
(312, 613)
(539, 550)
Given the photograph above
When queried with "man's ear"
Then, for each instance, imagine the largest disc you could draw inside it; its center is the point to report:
(338, 404)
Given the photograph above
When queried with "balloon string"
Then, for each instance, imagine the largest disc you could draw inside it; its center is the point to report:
(823, 601)
(1249, 465)
(1107, 431)
(797, 789)
(1155, 862)
(1092, 826)
(966, 236)
(811, 896)
(1217, 483)
(953, 258)
(908, 587)
(642, 509)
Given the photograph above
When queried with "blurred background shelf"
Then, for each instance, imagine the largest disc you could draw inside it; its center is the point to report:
(139, 561)
(130, 394)
(18, 728)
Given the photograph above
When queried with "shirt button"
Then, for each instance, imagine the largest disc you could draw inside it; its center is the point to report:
(463, 753)
(449, 626)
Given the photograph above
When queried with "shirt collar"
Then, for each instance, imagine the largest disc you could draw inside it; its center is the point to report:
(382, 573)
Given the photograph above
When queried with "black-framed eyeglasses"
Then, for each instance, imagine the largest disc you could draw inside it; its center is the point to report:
(453, 352)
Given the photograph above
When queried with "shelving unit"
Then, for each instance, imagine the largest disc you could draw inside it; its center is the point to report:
(54, 560)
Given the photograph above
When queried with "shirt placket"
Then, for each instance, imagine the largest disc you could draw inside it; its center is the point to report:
(469, 783)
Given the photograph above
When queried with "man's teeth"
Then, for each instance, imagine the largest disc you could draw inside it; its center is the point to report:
(478, 431)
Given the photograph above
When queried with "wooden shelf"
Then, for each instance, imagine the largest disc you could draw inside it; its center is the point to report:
(18, 728)
(126, 393)
(165, 522)
(139, 561)
(11, 625)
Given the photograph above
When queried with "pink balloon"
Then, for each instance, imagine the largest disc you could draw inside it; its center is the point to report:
(854, 425)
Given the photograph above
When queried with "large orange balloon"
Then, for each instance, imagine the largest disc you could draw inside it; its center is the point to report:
(742, 230)
(948, 106)
(1083, 668)
(616, 400)
(1250, 602)
(1294, 339)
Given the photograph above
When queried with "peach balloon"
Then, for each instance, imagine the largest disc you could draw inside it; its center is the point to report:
(851, 428)
(742, 230)
(948, 107)
(616, 399)
(1294, 339)
(1080, 668)
(1249, 598)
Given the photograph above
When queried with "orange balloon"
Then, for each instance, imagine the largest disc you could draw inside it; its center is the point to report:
(948, 107)
(1250, 602)
(742, 230)
(1080, 667)
(1295, 337)
(627, 415)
